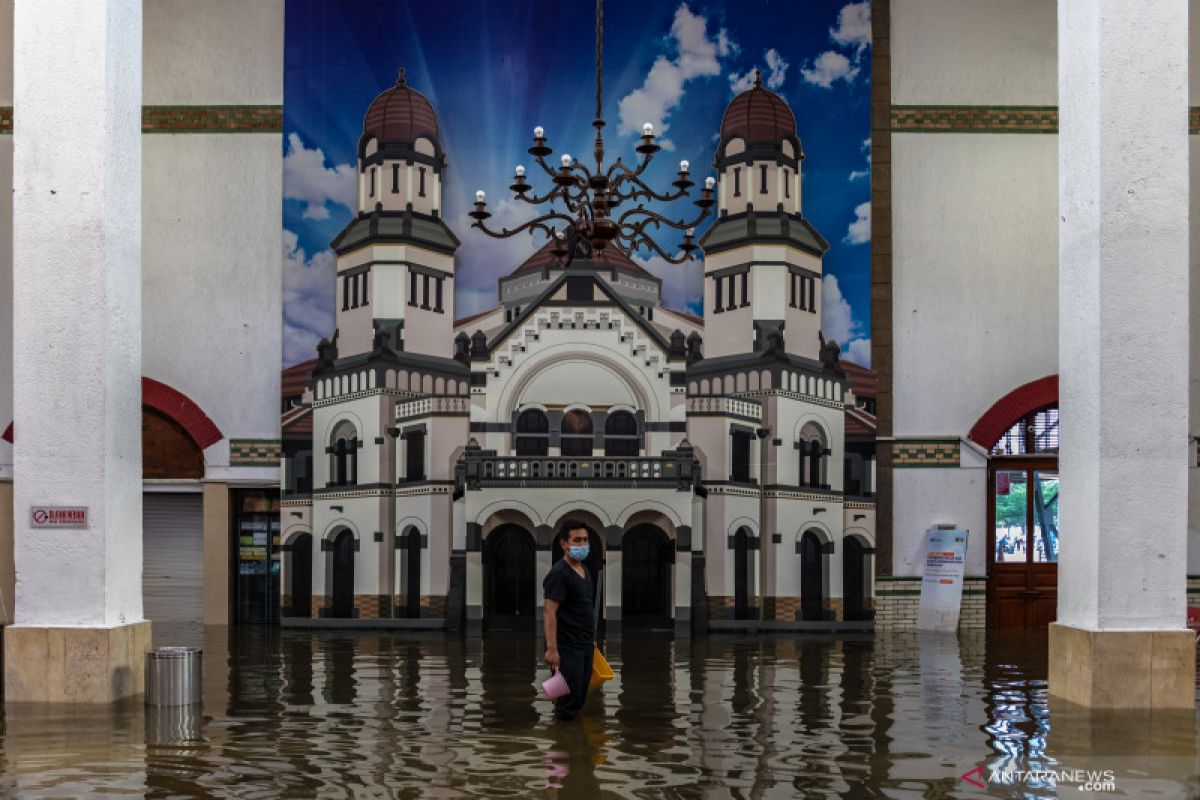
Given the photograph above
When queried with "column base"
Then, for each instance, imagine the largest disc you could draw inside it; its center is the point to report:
(1123, 669)
(75, 665)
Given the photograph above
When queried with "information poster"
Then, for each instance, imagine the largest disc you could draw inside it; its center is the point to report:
(942, 582)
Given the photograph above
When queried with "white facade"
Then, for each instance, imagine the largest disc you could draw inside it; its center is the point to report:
(446, 458)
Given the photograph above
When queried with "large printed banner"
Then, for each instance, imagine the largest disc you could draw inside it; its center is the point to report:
(942, 582)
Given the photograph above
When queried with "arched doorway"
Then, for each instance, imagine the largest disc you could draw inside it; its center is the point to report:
(812, 578)
(854, 579)
(1023, 536)
(341, 601)
(409, 572)
(647, 555)
(743, 575)
(300, 576)
(594, 563)
(509, 578)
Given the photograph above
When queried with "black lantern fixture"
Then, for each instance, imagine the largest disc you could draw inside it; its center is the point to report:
(605, 205)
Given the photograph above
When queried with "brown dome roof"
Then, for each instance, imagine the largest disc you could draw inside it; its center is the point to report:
(401, 115)
(611, 257)
(759, 116)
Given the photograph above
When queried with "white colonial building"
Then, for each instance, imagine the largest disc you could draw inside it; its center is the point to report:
(705, 455)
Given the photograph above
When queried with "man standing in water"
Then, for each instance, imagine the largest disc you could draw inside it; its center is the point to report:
(567, 615)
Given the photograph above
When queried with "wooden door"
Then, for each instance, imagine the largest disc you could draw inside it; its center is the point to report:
(1022, 543)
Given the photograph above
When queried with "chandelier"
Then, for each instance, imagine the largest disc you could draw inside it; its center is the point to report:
(604, 205)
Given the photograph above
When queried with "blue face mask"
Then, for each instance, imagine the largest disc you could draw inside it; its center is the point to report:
(579, 552)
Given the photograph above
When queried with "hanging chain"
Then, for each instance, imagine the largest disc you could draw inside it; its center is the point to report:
(599, 51)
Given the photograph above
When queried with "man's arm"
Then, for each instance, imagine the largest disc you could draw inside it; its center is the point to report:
(550, 622)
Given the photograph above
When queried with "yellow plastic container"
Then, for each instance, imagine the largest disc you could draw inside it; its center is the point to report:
(601, 671)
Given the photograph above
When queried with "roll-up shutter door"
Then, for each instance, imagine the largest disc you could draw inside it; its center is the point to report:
(173, 557)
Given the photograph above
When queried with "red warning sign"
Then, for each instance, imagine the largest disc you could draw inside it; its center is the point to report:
(66, 517)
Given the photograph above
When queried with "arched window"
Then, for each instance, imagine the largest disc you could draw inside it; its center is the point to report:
(1036, 432)
(813, 456)
(621, 434)
(533, 433)
(343, 450)
(577, 433)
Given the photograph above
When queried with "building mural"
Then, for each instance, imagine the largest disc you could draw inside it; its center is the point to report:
(433, 455)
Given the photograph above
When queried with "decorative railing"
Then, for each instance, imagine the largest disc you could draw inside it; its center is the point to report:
(432, 405)
(484, 468)
(725, 405)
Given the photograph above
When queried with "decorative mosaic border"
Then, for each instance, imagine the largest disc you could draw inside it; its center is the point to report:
(212, 119)
(193, 119)
(255, 452)
(990, 119)
(934, 453)
(974, 119)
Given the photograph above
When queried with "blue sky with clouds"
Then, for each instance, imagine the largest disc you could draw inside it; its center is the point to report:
(496, 68)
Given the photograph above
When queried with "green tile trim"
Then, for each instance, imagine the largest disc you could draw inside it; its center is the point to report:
(974, 119)
(925, 453)
(255, 452)
(193, 119)
(990, 119)
(212, 119)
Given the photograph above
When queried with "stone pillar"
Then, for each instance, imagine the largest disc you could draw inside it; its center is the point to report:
(216, 553)
(1123, 346)
(79, 635)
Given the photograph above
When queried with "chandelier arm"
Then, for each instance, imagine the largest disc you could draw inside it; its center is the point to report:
(659, 218)
(635, 243)
(536, 200)
(537, 223)
(643, 190)
(541, 161)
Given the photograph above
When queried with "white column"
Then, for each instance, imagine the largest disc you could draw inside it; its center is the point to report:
(1123, 346)
(77, 312)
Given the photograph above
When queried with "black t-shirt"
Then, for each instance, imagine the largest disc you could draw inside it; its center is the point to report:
(574, 597)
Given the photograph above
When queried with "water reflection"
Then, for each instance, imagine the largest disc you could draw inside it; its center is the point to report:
(293, 713)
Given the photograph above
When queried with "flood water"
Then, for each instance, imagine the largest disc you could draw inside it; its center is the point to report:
(381, 714)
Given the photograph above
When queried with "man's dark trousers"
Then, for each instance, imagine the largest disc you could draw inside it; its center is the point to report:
(575, 663)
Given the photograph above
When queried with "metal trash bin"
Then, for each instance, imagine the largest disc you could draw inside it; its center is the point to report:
(173, 676)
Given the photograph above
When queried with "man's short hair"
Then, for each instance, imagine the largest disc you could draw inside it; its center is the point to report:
(572, 525)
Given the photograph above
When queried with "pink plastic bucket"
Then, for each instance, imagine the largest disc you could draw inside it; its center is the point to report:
(556, 686)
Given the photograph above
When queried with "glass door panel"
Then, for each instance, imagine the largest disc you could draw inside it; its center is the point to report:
(1011, 498)
(1045, 517)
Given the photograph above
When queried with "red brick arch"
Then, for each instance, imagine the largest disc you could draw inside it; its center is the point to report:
(1010, 408)
(175, 405)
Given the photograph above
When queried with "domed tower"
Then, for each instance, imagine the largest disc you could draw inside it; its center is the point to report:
(762, 258)
(396, 257)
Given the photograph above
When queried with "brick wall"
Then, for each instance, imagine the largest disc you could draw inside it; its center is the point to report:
(897, 599)
(1193, 591)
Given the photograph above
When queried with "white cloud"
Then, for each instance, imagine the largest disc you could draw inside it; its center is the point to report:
(859, 174)
(776, 73)
(829, 67)
(776, 69)
(696, 56)
(306, 178)
(859, 231)
(837, 319)
(858, 351)
(308, 299)
(853, 27)
(682, 284)
(741, 83)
